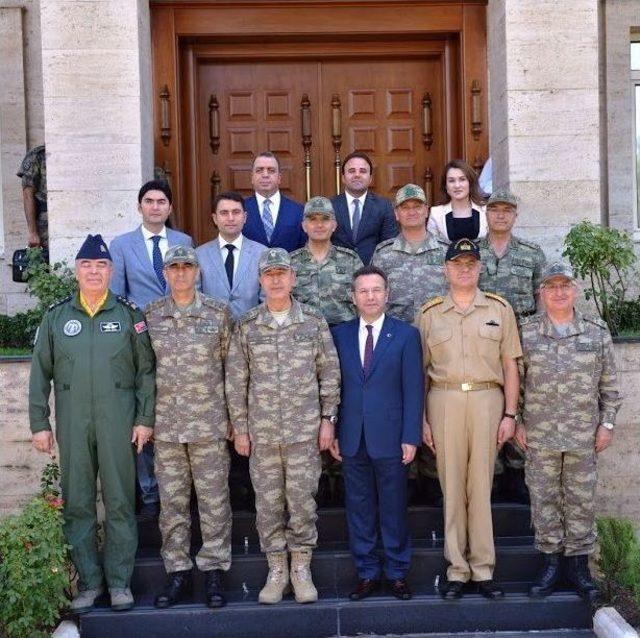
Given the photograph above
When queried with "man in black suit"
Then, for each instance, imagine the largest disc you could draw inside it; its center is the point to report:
(364, 218)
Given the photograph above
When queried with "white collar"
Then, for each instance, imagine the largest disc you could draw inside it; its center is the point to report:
(274, 199)
(377, 324)
(237, 242)
(350, 199)
(147, 234)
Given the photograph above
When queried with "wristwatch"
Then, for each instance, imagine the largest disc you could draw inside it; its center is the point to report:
(332, 419)
(607, 426)
(510, 416)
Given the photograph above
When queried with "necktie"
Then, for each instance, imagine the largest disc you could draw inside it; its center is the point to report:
(368, 351)
(157, 261)
(228, 264)
(356, 219)
(267, 219)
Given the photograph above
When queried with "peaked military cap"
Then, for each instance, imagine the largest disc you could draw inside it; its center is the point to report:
(557, 269)
(503, 196)
(181, 255)
(462, 247)
(94, 248)
(274, 258)
(319, 206)
(410, 191)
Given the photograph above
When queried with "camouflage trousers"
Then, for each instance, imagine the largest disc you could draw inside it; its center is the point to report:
(285, 479)
(562, 487)
(207, 465)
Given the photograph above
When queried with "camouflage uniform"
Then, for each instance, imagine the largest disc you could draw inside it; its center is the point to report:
(516, 277)
(326, 286)
(191, 425)
(280, 380)
(570, 387)
(415, 274)
(33, 172)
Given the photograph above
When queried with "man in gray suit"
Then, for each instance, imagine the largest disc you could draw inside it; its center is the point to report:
(138, 258)
(229, 263)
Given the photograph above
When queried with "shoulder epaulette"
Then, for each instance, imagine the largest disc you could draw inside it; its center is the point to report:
(157, 303)
(596, 321)
(529, 244)
(296, 252)
(384, 244)
(492, 295)
(431, 303)
(59, 303)
(211, 302)
(310, 311)
(347, 251)
(125, 302)
(248, 316)
(524, 321)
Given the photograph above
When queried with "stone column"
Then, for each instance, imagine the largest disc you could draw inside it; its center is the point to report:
(545, 113)
(98, 117)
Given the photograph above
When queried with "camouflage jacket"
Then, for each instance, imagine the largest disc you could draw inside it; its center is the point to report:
(570, 383)
(415, 275)
(282, 379)
(33, 171)
(326, 286)
(191, 346)
(514, 276)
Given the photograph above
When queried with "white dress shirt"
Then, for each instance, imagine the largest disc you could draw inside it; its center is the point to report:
(363, 332)
(350, 199)
(237, 242)
(274, 207)
(163, 243)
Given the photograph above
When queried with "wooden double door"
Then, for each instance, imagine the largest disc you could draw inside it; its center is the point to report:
(311, 100)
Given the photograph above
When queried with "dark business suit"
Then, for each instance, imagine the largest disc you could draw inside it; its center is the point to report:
(377, 223)
(376, 415)
(287, 233)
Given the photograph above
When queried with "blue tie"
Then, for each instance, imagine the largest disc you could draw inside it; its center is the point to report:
(157, 261)
(267, 219)
(356, 219)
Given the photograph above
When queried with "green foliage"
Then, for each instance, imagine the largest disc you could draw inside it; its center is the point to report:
(48, 283)
(18, 331)
(34, 564)
(604, 257)
(619, 560)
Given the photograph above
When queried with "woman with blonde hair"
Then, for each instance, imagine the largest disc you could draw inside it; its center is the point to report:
(462, 212)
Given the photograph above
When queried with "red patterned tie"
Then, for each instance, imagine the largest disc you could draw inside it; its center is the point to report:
(368, 351)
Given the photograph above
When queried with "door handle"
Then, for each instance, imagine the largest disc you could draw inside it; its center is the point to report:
(427, 121)
(336, 135)
(305, 116)
(428, 186)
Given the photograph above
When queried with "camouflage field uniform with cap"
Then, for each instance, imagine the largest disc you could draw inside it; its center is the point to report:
(280, 380)
(33, 172)
(570, 387)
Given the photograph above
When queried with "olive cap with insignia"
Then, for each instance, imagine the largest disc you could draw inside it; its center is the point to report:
(557, 269)
(503, 196)
(461, 247)
(274, 258)
(319, 206)
(94, 247)
(181, 255)
(410, 191)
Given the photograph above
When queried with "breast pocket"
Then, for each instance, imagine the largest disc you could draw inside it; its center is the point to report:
(489, 338)
(587, 356)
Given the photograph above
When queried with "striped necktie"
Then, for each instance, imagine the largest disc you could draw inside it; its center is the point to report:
(267, 219)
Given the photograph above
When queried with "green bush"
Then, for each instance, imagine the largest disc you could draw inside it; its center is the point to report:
(48, 283)
(18, 331)
(35, 571)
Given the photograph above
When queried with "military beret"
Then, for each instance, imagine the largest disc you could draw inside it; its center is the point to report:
(94, 247)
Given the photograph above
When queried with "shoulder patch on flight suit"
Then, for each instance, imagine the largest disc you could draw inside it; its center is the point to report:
(492, 295)
(432, 302)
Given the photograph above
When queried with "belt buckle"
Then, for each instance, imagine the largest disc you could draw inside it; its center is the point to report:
(466, 387)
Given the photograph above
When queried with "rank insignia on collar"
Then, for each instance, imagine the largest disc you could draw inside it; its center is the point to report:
(110, 326)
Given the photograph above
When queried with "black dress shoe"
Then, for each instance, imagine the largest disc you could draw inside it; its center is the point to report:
(177, 584)
(490, 589)
(400, 589)
(365, 588)
(451, 589)
(213, 589)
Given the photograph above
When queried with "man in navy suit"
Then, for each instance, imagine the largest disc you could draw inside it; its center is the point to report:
(138, 258)
(364, 218)
(272, 219)
(229, 263)
(379, 428)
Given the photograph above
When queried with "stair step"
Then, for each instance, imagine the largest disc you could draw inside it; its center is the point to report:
(332, 616)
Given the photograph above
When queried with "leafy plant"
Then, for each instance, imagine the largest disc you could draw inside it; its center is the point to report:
(35, 570)
(604, 257)
(18, 331)
(48, 283)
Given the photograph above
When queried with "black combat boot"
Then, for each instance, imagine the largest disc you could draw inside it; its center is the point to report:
(213, 589)
(580, 577)
(547, 578)
(176, 586)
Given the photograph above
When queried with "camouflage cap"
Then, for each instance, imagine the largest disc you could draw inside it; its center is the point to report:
(462, 247)
(503, 196)
(274, 258)
(557, 269)
(410, 191)
(181, 255)
(319, 206)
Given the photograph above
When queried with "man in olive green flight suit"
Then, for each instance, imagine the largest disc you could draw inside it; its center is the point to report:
(95, 348)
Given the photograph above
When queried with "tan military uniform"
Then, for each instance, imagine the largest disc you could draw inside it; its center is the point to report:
(570, 388)
(462, 357)
(280, 380)
(191, 346)
(326, 285)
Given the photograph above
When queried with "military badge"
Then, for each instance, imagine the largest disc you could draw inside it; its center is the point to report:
(72, 328)
(110, 326)
(140, 327)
